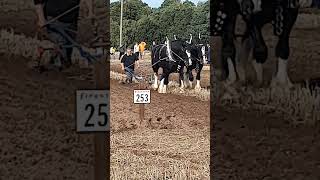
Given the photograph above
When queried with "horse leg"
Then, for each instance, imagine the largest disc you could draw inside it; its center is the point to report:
(260, 51)
(244, 52)
(283, 50)
(161, 85)
(198, 86)
(228, 51)
(155, 74)
(164, 81)
(190, 77)
(155, 83)
(181, 78)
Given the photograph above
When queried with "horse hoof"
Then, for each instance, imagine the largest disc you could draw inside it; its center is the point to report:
(230, 82)
(162, 91)
(275, 82)
(197, 89)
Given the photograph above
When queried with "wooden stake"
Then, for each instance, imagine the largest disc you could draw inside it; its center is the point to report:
(141, 112)
(102, 139)
(141, 107)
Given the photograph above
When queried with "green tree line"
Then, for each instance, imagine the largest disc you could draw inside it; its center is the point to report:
(173, 17)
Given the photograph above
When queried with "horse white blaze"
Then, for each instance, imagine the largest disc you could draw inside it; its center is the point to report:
(189, 57)
(232, 71)
(259, 71)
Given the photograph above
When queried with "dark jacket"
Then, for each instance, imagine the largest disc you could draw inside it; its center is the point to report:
(129, 61)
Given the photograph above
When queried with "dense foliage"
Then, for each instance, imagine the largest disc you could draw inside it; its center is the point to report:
(143, 23)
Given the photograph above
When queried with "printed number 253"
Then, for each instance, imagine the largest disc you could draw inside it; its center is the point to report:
(100, 113)
(142, 98)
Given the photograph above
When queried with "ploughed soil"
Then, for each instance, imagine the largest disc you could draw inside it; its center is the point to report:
(251, 145)
(248, 144)
(37, 124)
(172, 139)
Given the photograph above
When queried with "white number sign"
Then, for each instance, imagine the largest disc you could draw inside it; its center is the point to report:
(141, 97)
(93, 110)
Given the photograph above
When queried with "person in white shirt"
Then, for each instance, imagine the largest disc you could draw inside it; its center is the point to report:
(112, 52)
(136, 49)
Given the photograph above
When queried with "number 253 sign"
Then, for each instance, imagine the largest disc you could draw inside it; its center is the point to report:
(93, 110)
(141, 97)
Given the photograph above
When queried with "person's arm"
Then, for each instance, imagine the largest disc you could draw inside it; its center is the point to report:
(40, 14)
(122, 63)
(122, 66)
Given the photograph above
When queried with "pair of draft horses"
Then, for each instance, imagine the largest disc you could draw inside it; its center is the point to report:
(255, 13)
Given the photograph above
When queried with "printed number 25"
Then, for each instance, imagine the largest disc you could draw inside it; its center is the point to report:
(100, 113)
